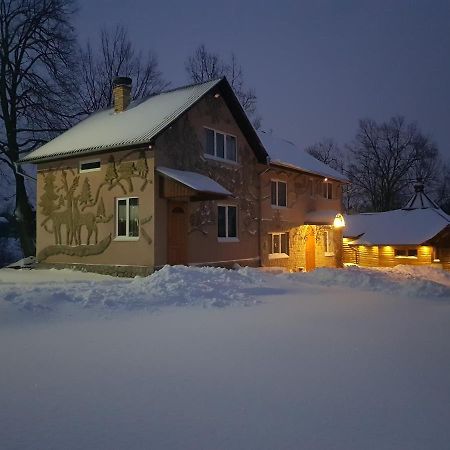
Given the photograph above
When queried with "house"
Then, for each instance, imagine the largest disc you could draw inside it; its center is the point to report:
(300, 199)
(181, 178)
(418, 234)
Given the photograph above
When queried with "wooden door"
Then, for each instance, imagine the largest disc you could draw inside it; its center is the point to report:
(177, 233)
(310, 251)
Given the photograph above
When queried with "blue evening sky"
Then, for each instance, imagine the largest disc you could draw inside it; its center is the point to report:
(317, 66)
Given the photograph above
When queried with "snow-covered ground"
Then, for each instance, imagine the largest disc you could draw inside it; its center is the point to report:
(207, 358)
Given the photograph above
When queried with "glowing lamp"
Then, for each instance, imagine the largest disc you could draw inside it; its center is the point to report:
(339, 221)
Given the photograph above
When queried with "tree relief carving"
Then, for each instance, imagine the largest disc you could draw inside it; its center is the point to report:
(72, 214)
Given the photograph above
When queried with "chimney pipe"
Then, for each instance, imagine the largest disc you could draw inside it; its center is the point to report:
(121, 93)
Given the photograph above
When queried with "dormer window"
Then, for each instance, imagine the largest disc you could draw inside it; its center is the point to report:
(220, 145)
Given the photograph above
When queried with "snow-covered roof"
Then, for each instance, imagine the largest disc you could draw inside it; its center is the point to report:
(195, 181)
(139, 124)
(420, 199)
(397, 227)
(287, 154)
(325, 217)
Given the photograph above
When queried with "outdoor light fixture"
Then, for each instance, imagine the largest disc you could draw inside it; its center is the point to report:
(325, 180)
(339, 221)
(216, 95)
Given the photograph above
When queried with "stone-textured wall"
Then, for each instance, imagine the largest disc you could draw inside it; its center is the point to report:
(301, 199)
(182, 147)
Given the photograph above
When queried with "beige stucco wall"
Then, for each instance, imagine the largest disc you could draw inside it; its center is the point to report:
(182, 147)
(131, 175)
(290, 219)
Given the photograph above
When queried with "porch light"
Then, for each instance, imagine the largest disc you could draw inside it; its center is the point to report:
(339, 221)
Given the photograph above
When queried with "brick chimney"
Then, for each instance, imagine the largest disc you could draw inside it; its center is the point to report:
(121, 93)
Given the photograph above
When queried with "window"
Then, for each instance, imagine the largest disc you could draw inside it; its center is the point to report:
(127, 218)
(328, 190)
(328, 243)
(220, 145)
(278, 193)
(311, 187)
(405, 252)
(226, 222)
(89, 166)
(279, 245)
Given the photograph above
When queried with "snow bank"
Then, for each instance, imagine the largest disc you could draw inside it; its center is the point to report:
(40, 290)
(403, 281)
(170, 286)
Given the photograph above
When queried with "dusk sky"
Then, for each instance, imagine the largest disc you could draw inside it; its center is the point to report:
(317, 66)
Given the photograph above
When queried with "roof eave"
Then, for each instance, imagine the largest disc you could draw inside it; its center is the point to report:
(299, 169)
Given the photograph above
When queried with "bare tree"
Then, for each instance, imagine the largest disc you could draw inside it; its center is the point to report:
(328, 151)
(115, 56)
(204, 65)
(36, 40)
(386, 158)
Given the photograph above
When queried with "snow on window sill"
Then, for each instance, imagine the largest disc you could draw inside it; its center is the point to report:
(406, 257)
(219, 159)
(278, 206)
(278, 255)
(126, 238)
(329, 253)
(227, 239)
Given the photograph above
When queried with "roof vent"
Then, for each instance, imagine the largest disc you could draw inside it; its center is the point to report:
(121, 93)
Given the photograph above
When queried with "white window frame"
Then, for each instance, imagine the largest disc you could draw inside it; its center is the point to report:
(127, 237)
(89, 161)
(227, 238)
(328, 243)
(219, 158)
(278, 181)
(326, 191)
(280, 255)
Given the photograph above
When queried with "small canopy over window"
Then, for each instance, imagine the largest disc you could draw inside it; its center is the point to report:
(191, 185)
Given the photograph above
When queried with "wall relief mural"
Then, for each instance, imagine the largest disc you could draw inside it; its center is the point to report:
(72, 213)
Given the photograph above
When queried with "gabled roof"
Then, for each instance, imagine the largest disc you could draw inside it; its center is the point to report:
(285, 153)
(141, 123)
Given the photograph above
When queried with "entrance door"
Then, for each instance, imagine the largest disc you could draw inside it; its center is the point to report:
(177, 233)
(310, 251)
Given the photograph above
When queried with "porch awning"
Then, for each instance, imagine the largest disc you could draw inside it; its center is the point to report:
(197, 186)
(325, 217)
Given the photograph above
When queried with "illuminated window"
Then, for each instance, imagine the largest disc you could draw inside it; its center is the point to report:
(328, 244)
(220, 145)
(278, 193)
(328, 190)
(127, 218)
(279, 245)
(226, 222)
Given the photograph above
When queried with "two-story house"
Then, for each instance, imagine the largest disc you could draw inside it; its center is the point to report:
(301, 203)
(179, 178)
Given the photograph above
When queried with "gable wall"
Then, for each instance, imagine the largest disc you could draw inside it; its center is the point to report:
(182, 147)
(77, 206)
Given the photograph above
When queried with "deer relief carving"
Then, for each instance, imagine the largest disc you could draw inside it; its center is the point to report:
(60, 218)
(65, 217)
(87, 219)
